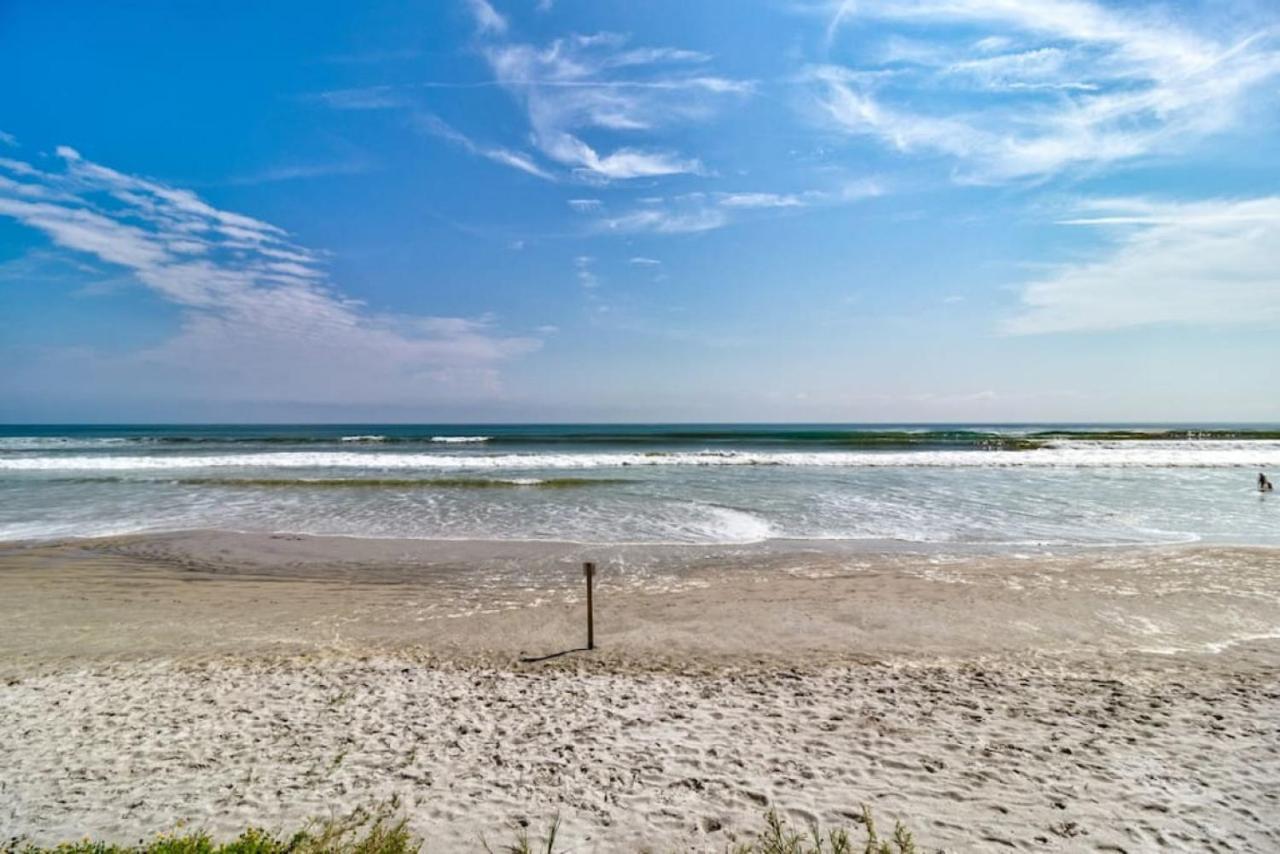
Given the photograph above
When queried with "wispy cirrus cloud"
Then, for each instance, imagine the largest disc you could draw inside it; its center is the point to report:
(434, 125)
(689, 213)
(260, 318)
(600, 85)
(1051, 85)
(362, 98)
(305, 170)
(765, 200)
(593, 103)
(1208, 263)
(404, 100)
(583, 271)
(486, 17)
(681, 218)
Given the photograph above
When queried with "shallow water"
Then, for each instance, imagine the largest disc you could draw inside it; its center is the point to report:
(1024, 486)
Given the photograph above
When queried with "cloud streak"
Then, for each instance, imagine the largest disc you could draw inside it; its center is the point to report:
(598, 85)
(679, 219)
(260, 318)
(690, 213)
(432, 124)
(1060, 84)
(401, 100)
(590, 101)
(1210, 263)
(486, 17)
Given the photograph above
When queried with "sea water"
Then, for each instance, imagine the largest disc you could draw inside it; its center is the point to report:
(1001, 486)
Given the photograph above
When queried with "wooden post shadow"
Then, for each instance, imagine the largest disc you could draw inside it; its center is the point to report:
(589, 571)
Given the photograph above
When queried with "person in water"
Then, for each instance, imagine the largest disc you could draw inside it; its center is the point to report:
(1264, 485)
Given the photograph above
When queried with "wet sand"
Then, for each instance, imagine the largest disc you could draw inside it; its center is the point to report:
(1104, 700)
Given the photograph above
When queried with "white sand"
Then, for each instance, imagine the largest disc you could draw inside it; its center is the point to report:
(991, 703)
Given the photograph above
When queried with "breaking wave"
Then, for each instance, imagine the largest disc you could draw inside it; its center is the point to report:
(364, 482)
(728, 437)
(1068, 454)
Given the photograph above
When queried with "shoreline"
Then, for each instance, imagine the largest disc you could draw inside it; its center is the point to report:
(852, 545)
(159, 594)
(987, 701)
(266, 547)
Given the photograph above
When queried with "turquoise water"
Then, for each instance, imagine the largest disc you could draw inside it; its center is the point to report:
(1021, 486)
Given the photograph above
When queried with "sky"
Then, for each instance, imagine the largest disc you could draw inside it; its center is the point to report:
(545, 210)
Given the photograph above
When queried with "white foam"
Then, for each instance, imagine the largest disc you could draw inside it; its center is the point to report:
(729, 525)
(460, 440)
(369, 438)
(1186, 454)
(43, 443)
(1223, 646)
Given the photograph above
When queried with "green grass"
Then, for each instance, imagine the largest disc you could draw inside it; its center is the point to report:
(383, 831)
(522, 844)
(779, 838)
(362, 832)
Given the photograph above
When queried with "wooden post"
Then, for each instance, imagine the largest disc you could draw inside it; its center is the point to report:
(589, 569)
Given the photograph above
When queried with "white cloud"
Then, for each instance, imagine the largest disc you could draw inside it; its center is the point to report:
(585, 275)
(762, 200)
(584, 84)
(390, 98)
(486, 17)
(260, 319)
(685, 220)
(1041, 68)
(585, 205)
(303, 171)
(858, 189)
(1063, 83)
(8, 139)
(571, 90)
(432, 124)
(992, 44)
(630, 163)
(363, 98)
(516, 160)
(15, 167)
(644, 262)
(695, 212)
(1196, 263)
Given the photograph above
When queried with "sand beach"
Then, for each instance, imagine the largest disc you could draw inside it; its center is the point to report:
(1114, 699)
(901, 373)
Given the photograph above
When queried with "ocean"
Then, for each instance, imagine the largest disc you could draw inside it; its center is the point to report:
(941, 487)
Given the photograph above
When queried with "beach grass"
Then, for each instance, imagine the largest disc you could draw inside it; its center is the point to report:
(780, 838)
(378, 831)
(384, 831)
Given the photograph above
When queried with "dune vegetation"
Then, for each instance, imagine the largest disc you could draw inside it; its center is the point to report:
(384, 831)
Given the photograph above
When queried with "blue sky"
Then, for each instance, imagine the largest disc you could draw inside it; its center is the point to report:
(881, 210)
